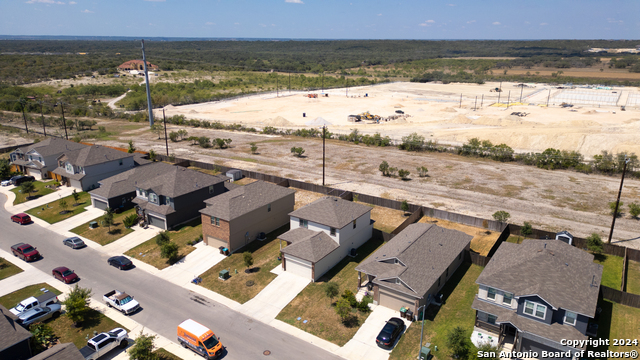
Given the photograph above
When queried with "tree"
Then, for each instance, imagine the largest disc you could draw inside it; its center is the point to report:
(76, 197)
(77, 304)
(152, 155)
(142, 348)
(157, 129)
(182, 133)
(501, 216)
(595, 244)
(404, 206)
(132, 148)
(204, 142)
(412, 142)
(612, 206)
(173, 136)
(343, 308)
(169, 251)
(247, 257)
(384, 168)
(63, 205)
(392, 171)
(130, 220)
(634, 210)
(254, 147)
(162, 238)
(404, 174)
(297, 151)
(108, 219)
(526, 229)
(458, 342)
(5, 168)
(27, 187)
(331, 290)
(422, 171)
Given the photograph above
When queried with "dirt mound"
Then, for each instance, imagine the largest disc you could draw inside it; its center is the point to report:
(461, 119)
(448, 109)
(397, 106)
(193, 112)
(509, 120)
(278, 121)
(583, 123)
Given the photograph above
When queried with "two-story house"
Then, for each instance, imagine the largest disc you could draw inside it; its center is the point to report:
(410, 269)
(235, 218)
(85, 167)
(323, 233)
(173, 196)
(534, 295)
(39, 159)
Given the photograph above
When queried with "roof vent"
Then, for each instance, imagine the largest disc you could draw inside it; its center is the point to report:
(567, 264)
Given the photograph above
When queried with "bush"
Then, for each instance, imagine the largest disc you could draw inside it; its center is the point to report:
(363, 306)
(173, 136)
(132, 148)
(162, 238)
(331, 290)
(142, 348)
(254, 147)
(458, 341)
(384, 168)
(595, 244)
(204, 142)
(612, 207)
(297, 151)
(392, 171)
(247, 258)
(404, 206)
(343, 309)
(634, 210)
(350, 297)
(412, 142)
(404, 174)
(526, 229)
(422, 171)
(130, 220)
(501, 216)
(43, 337)
(169, 250)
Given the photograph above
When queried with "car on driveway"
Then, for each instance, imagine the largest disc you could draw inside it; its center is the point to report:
(120, 262)
(390, 333)
(65, 275)
(21, 219)
(22, 179)
(74, 242)
(39, 314)
(6, 182)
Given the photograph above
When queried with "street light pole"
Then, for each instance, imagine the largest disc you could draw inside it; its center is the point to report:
(324, 132)
(615, 212)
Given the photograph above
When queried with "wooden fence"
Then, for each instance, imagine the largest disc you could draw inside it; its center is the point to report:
(625, 268)
(7, 149)
(417, 215)
(620, 297)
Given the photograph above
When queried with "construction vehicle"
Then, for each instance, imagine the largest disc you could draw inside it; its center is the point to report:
(312, 96)
(495, 90)
(368, 116)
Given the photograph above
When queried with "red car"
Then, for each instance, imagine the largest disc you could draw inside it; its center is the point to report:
(21, 218)
(64, 274)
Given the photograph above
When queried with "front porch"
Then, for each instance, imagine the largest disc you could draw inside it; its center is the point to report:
(501, 336)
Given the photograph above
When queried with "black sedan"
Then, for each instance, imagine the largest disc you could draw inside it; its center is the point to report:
(120, 262)
(390, 333)
(74, 242)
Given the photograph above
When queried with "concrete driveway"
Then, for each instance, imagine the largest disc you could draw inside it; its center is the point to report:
(363, 344)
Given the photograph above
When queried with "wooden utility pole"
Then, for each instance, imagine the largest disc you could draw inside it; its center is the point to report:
(548, 96)
(146, 79)
(521, 90)
(324, 134)
(460, 100)
(166, 142)
(476, 104)
(23, 104)
(64, 121)
(615, 212)
(482, 101)
(508, 99)
(44, 126)
(277, 85)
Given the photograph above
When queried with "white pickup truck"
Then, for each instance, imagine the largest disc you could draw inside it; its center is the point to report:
(101, 344)
(32, 302)
(121, 301)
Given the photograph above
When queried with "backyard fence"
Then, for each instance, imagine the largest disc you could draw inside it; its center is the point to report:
(7, 149)
(625, 263)
(417, 215)
(620, 297)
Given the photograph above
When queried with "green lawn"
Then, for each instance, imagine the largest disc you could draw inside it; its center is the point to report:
(51, 211)
(618, 322)
(312, 304)
(165, 355)
(12, 299)
(149, 251)
(459, 293)
(612, 273)
(95, 322)
(265, 258)
(40, 190)
(101, 234)
(515, 239)
(8, 269)
(633, 277)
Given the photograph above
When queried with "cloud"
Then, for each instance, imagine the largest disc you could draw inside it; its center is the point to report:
(451, 4)
(496, 23)
(430, 21)
(380, 14)
(427, 23)
(471, 21)
(87, 11)
(294, 1)
(236, 23)
(611, 20)
(209, 23)
(262, 25)
(72, 2)
(527, 23)
(45, 2)
(543, 24)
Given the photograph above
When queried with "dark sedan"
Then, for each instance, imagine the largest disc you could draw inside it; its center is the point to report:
(74, 242)
(120, 262)
(390, 333)
(65, 275)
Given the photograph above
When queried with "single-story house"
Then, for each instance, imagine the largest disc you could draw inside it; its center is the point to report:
(136, 65)
(323, 233)
(410, 269)
(14, 339)
(39, 159)
(235, 218)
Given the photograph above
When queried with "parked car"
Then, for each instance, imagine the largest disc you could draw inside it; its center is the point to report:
(25, 252)
(15, 178)
(21, 219)
(23, 179)
(390, 333)
(120, 262)
(121, 301)
(33, 302)
(6, 182)
(64, 274)
(399, 112)
(74, 242)
(39, 314)
(101, 344)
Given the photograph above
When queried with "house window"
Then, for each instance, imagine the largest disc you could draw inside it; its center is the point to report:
(491, 319)
(215, 221)
(153, 197)
(70, 168)
(269, 208)
(506, 298)
(211, 189)
(536, 310)
(120, 162)
(304, 223)
(491, 294)
(354, 224)
(333, 231)
(570, 317)
(167, 200)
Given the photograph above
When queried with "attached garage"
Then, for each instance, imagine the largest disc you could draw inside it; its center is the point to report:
(298, 266)
(35, 173)
(100, 204)
(157, 221)
(215, 242)
(395, 300)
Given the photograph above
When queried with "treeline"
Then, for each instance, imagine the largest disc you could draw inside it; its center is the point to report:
(481, 78)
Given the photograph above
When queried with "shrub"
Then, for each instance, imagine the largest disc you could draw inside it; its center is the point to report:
(501, 216)
(331, 290)
(634, 210)
(343, 309)
(350, 297)
(254, 147)
(404, 174)
(392, 171)
(404, 206)
(132, 148)
(173, 136)
(384, 168)
(595, 244)
(204, 142)
(162, 238)
(422, 171)
(412, 142)
(130, 220)
(458, 342)
(247, 258)
(526, 229)
(169, 250)
(612, 207)
(142, 348)
(297, 151)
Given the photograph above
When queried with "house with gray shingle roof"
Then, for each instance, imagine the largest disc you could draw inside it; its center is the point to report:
(66, 351)
(14, 339)
(323, 233)
(84, 168)
(410, 269)
(534, 295)
(235, 218)
(39, 159)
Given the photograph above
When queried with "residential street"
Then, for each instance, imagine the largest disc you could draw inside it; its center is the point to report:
(164, 304)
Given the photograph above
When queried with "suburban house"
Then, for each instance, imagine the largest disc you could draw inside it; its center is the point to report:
(14, 339)
(175, 195)
(136, 65)
(119, 190)
(84, 168)
(235, 218)
(534, 295)
(66, 351)
(39, 159)
(410, 269)
(323, 233)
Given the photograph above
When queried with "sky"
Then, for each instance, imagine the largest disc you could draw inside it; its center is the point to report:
(325, 19)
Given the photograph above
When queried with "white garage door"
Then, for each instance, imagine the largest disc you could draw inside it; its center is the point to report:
(100, 204)
(216, 243)
(156, 221)
(35, 173)
(298, 267)
(394, 301)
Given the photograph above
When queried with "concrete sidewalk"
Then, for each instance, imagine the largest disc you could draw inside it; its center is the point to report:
(90, 213)
(29, 276)
(129, 241)
(192, 265)
(274, 297)
(56, 195)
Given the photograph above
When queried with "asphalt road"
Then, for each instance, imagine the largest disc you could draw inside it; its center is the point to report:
(164, 304)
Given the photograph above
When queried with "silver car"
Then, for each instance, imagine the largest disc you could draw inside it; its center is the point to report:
(39, 314)
(74, 242)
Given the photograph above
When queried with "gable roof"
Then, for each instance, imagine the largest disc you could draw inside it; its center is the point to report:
(423, 251)
(66, 351)
(244, 199)
(331, 211)
(308, 244)
(93, 155)
(52, 146)
(176, 181)
(10, 332)
(126, 181)
(564, 276)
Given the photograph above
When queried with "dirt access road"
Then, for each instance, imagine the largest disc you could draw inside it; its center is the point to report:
(551, 200)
